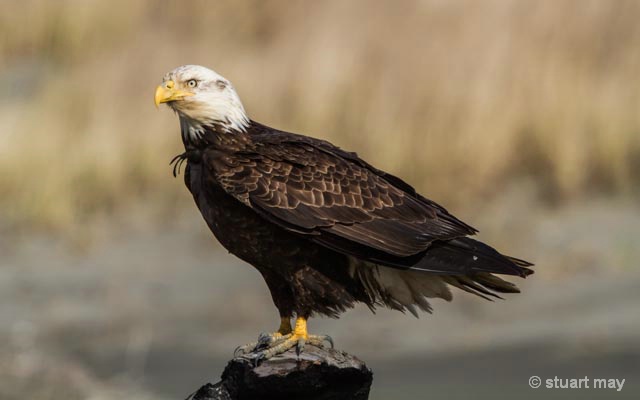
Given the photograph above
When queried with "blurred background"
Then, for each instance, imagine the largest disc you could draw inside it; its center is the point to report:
(521, 117)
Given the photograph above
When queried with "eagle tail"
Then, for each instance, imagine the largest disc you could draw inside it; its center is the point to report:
(466, 256)
(470, 265)
(463, 263)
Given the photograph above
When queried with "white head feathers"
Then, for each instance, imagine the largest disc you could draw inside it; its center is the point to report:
(208, 99)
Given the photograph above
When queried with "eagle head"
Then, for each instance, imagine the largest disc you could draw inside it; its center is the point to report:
(202, 98)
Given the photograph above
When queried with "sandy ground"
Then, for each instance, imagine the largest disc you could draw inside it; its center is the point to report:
(154, 313)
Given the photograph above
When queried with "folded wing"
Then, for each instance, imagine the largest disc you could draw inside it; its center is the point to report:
(313, 188)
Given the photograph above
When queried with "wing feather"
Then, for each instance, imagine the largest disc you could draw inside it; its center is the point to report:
(311, 187)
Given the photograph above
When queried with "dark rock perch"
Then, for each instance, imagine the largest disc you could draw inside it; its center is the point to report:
(319, 374)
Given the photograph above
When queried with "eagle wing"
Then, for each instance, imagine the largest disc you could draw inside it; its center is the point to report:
(314, 188)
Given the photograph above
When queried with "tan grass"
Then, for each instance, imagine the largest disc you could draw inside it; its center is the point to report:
(458, 97)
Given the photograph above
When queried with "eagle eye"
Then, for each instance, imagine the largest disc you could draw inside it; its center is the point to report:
(192, 83)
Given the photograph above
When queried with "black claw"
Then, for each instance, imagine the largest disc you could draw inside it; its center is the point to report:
(300, 346)
(241, 351)
(329, 339)
(264, 337)
(259, 357)
(264, 340)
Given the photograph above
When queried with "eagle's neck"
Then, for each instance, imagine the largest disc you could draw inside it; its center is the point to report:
(197, 135)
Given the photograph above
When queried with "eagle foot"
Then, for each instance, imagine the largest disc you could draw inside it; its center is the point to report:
(266, 340)
(269, 346)
(288, 342)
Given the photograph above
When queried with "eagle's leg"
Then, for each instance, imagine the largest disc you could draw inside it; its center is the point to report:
(266, 339)
(298, 338)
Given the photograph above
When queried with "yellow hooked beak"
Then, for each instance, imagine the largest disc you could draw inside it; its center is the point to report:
(167, 92)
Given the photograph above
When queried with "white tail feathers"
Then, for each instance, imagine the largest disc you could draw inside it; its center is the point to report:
(399, 289)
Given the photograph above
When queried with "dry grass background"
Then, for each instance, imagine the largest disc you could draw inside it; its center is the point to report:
(461, 98)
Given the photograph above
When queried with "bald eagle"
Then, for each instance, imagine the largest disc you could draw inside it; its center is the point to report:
(325, 228)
